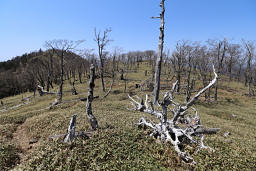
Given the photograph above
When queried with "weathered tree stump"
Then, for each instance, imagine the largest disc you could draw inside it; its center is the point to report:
(74, 92)
(93, 121)
(71, 132)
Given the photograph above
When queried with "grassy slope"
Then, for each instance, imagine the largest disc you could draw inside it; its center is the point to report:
(118, 144)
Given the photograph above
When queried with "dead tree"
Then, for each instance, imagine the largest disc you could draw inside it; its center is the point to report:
(102, 42)
(233, 55)
(249, 59)
(74, 92)
(219, 49)
(93, 121)
(122, 74)
(113, 76)
(41, 91)
(159, 54)
(60, 48)
(49, 54)
(71, 132)
(189, 68)
(178, 60)
(182, 128)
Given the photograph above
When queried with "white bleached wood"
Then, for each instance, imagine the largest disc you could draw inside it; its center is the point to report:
(182, 128)
(71, 132)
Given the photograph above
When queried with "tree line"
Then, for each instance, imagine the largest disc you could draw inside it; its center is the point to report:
(188, 62)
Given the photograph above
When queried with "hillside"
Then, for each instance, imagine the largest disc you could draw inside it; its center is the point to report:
(24, 72)
(119, 145)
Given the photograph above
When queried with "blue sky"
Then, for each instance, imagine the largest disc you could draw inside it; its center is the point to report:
(26, 24)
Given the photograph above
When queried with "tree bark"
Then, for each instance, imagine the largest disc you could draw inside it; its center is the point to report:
(93, 121)
(159, 55)
(71, 132)
(61, 77)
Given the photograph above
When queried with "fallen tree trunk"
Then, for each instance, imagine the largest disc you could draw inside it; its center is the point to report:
(42, 92)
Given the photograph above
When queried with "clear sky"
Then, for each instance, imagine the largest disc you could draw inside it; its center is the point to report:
(26, 24)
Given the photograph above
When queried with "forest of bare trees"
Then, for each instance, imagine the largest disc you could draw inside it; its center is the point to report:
(188, 62)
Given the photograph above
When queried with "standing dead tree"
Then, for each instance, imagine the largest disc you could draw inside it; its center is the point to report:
(102, 42)
(188, 70)
(60, 48)
(73, 90)
(219, 49)
(159, 54)
(178, 60)
(182, 128)
(113, 75)
(93, 121)
(249, 60)
(49, 55)
(71, 133)
(234, 51)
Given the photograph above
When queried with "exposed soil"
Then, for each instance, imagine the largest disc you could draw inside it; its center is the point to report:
(23, 141)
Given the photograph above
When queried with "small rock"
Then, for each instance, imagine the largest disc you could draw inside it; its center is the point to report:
(234, 116)
(226, 134)
(33, 140)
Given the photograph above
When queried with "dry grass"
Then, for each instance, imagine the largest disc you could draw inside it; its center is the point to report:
(119, 144)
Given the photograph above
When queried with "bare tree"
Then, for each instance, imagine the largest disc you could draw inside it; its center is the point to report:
(179, 58)
(250, 53)
(188, 71)
(159, 54)
(113, 72)
(219, 49)
(203, 60)
(49, 54)
(60, 48)
(102, 42)
(233, 54)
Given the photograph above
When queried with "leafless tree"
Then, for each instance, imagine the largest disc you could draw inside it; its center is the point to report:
(233, 53)
(178, 60)
(189, 59)
(250, 54)
(102, 41)
(60, 48)
(112, 73)
(219, 49)
(203, 60)
(159, 54)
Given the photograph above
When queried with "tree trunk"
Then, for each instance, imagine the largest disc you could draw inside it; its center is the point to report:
(80, 77)
(216, 90)
(159, 55)
(90, 116)
(48, 82)
(178, 83)
(188, 92)
(102, 77)
(61, 77)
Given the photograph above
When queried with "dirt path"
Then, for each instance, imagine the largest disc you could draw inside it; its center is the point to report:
(23, 141)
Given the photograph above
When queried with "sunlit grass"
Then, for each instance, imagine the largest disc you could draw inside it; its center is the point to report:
(119, 144)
